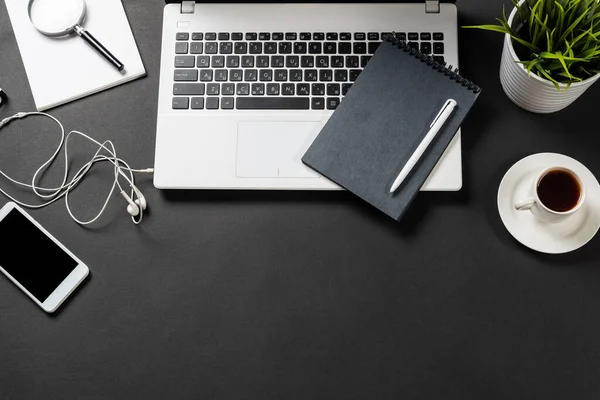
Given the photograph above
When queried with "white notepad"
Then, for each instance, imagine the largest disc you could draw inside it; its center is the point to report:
(65, 69)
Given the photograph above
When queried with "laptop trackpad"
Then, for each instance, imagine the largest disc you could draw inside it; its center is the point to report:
(275, 149)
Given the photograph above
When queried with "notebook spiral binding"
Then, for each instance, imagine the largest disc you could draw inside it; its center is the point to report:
(447, 70)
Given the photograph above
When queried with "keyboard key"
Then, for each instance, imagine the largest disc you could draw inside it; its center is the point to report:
(182, 36)
(181, 103)
(197, 103)
(202, 61)
(281, 75)
(352, 61)
(333, 89)
(181, 48)
(258, 89)
(223, 36)
(227, 103)
(345, 48)
(285, 48)
(247, 61)
(211, 47)
(250, 75)
(227, 89)
(373, 36)
(345, 88)
(313, 48)
(277, 61)
(212, 89)
(340, 75)
(364, 60)
(295, 75)
(330, 48)
(186, 75)
(401, 36)
(319, 36)
(233, 61)
(337, 61)
(331, 36)
(291, 36)
(185, 61)
(322, 61)
(305, 36)
(237, 36)
(438, 47)
(413, 36)
(333, 103)
(288, 89)
(265, 75)
(264, 36)
(242, 89)
(360, 48)
(310, 75)
(360, 36)
(225, 48)
(262, 61)
(206, 75)
(211, 36)
(318, 89)
(300, 48)
(221, 75)
(272, 89)
(439, 59)
(188, 88)
(236, 75)
(217, 62)
(318, 103)
(292, 61)
(354, 74)
(197, 36)
(270, 48)
(426, 47)
(240, 48)
(302, 89)
(272, 103)
(212, 103)
(251, 36)
(255, 48)
(373, 46)
(196, 47)
(425, 36)
(438, 36)
(307, 61)
(345, 36)
(414, 45)
(277, 35)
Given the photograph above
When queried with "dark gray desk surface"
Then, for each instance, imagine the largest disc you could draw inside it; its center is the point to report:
(270, 295)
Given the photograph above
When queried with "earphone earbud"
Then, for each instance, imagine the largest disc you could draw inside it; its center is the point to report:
(132, 208)
(141, 200)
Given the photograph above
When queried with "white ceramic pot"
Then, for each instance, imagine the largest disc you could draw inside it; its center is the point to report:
(531, 92)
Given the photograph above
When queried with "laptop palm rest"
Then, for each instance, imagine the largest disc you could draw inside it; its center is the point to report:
(268, 149)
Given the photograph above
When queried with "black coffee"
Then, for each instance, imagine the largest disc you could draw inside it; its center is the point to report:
(559, 190)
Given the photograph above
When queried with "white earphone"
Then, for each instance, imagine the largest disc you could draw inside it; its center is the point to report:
(136, 200)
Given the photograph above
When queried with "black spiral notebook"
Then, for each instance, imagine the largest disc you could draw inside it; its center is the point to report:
(383, 119)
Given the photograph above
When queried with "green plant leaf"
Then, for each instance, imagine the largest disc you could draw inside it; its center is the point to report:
(546, 75)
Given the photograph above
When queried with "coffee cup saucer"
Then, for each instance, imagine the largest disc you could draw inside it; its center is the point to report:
(557, 238)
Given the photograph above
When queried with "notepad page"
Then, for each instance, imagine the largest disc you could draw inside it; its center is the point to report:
(66, 69)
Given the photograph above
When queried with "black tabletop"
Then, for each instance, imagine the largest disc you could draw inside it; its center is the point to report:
(301, 295)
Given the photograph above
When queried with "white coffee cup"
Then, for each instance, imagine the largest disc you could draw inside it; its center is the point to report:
(544, 212)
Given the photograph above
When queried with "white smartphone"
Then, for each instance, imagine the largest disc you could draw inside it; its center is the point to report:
(35, 261)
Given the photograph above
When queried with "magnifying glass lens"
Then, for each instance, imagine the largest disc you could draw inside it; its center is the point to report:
(56, 16)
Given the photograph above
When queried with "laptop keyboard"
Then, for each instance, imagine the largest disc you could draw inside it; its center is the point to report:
(277, 71)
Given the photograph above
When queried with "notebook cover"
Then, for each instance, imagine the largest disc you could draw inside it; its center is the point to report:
(382, 120)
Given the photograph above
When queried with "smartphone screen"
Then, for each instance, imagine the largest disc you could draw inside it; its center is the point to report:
(31, 257)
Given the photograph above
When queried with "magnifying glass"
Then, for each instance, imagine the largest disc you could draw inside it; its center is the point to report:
(58, 18)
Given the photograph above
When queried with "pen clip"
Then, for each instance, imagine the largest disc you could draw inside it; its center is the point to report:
(446, 104)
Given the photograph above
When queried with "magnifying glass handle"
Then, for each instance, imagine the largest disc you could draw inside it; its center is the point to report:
(92, 41)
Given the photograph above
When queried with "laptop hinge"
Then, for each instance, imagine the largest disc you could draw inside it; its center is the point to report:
(188, 7)
(432, 6)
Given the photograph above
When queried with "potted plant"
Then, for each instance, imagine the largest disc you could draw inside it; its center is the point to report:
(551, 52)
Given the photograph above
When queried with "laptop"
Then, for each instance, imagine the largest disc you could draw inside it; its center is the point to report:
(246, 87)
